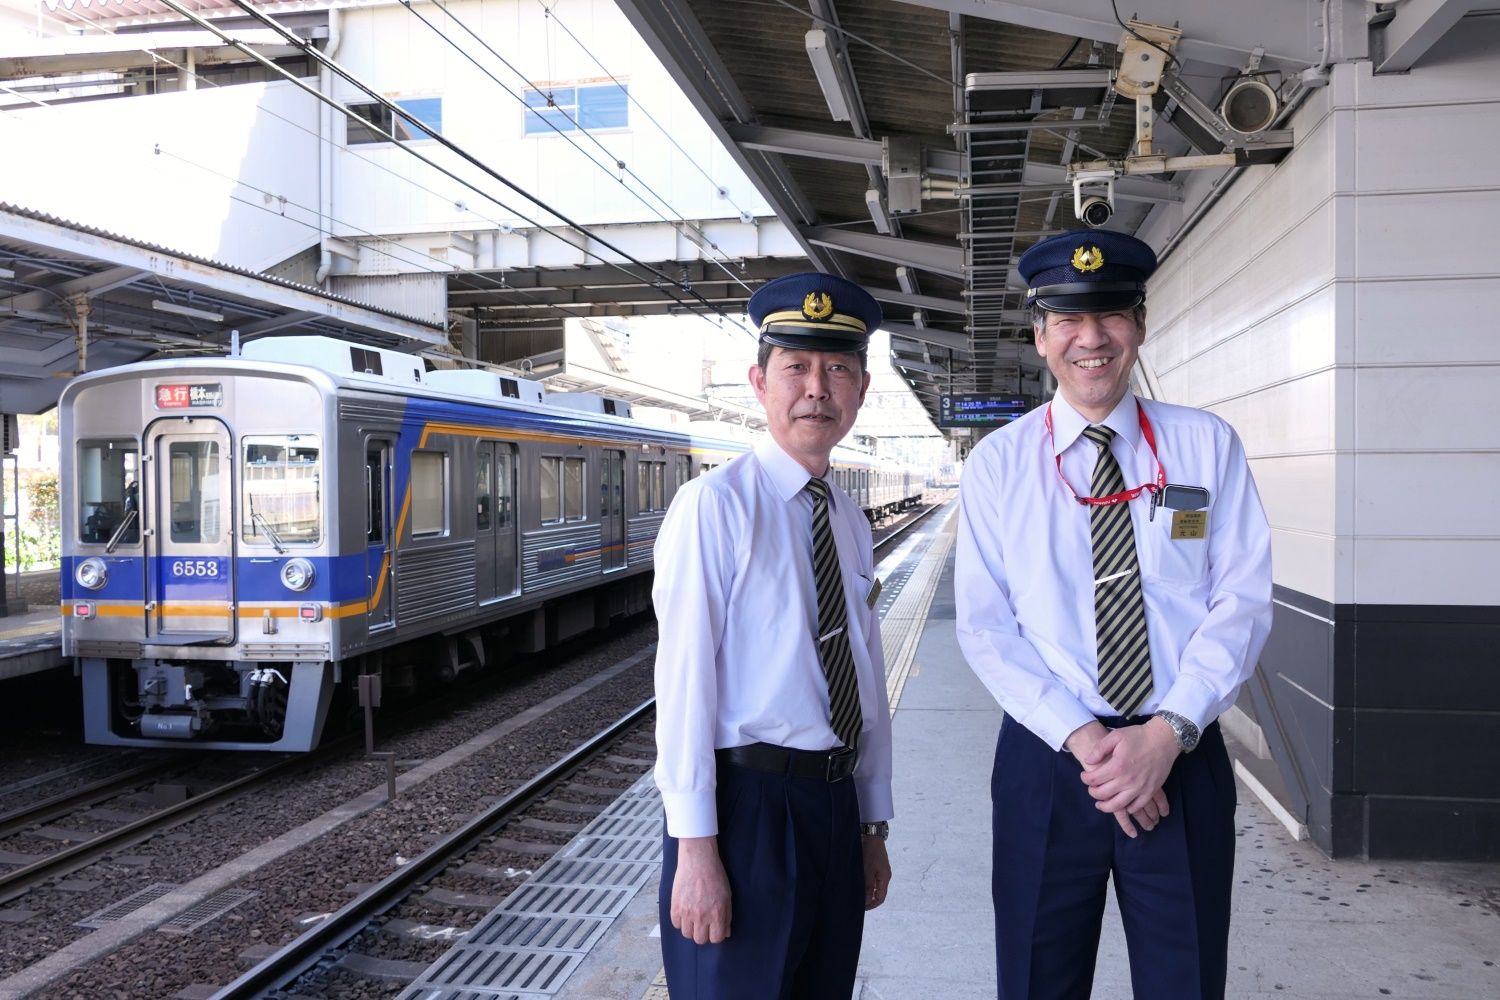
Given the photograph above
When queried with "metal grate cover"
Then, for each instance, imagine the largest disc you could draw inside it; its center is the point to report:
(205, 910)
(527, 947)
(131, 903)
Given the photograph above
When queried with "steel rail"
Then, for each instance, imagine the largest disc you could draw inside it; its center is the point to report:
(63, 803)
(306, 950)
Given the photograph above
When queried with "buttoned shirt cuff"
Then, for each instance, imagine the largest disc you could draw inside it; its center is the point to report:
(1056, 717)
(1192, 699)
(875, 801)
(691, 814)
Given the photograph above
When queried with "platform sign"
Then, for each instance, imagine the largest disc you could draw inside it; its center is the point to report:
(981, 410)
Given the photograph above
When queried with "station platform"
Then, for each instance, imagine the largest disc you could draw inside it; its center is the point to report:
(1304, 926)
(30, 641)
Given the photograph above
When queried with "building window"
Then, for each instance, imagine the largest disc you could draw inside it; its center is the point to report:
(428, 476)
(567, 109)
(427, 112)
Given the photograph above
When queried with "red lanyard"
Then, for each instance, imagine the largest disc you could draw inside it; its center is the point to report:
(1113, 498)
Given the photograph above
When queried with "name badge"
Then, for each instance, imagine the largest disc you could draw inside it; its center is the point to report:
(1189, 524)
(873, 595)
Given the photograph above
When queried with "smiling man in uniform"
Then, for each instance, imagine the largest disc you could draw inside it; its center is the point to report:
(1113, 586)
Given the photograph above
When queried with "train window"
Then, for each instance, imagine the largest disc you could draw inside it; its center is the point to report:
(682, 472)
(643, 486)
(484, 490)
(652, 483)
(573, 489)
(283, 490)
(108, 471)
(551, 492)
(193, 496)
(428, 491)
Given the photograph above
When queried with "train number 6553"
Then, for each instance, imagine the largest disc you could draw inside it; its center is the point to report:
(195, 567)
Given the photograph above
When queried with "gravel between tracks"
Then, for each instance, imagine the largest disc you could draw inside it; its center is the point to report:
(325, 874)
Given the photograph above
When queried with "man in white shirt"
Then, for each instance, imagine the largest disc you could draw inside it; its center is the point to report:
(1113, 593)
(773, 728)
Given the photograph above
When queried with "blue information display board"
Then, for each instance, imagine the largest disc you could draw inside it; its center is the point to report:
(980, 410)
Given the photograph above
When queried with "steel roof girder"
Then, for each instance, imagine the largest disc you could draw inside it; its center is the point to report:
(1223, 33)
(89, 285)
(915, 300)
(841, 148)
(935, 257)
(925, 334)
(1417, 26)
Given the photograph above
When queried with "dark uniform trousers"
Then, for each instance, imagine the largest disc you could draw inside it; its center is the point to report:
(1054, 853)
(791, 848)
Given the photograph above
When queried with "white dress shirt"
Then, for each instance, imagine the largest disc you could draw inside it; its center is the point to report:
(1024, 573)
(737, 612)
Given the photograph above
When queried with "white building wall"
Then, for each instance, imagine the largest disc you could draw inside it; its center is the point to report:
(399, 56)
(228, 173)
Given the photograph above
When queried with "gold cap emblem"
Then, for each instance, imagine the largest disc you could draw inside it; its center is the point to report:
(817, 305)
(1088, 258)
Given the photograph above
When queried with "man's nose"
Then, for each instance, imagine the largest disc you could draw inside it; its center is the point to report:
(816, 385)
(1091, 332)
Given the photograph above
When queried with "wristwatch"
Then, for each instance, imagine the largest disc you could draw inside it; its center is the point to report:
(881, 829)
(1183, 728)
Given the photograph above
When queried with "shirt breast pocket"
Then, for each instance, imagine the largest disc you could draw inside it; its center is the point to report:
(1181, 561)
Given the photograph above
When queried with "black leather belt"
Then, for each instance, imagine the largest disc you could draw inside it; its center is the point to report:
(829, 765)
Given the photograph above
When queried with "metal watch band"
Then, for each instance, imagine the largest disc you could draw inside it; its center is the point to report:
(1183, 728)
(881, 829)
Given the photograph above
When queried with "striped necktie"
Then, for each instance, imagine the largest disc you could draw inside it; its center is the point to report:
(1119, 607)
(833, 624)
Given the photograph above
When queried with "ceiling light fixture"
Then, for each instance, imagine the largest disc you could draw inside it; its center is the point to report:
(172, 307)
(820, 51)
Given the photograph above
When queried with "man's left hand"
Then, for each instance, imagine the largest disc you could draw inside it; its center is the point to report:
(877, 872)
(1126, 768)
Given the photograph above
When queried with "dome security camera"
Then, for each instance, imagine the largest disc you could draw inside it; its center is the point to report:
(1095, 211)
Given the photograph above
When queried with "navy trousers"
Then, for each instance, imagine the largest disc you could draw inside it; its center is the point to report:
(1054, 853)
(791, 848)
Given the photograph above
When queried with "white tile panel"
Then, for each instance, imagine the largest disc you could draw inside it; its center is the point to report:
(1400, 571)
(1432, 495)
(1305, 563)
(1423, 148)
(1293, 418)
(1445, 234)
(1422, 409)
(1299, 492)
(1459, 67)
(1426, 321)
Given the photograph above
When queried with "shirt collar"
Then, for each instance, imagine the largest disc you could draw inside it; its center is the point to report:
(787, 474)
(1068, 424)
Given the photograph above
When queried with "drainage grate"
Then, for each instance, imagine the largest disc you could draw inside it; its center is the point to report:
(205, 910)
(129, 904)
(513, 930)
(505, 972)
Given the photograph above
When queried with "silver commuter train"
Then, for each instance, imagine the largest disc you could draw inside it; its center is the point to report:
(244, 535)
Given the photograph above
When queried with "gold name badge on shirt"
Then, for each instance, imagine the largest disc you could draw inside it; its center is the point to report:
(1189, 523)
(873, 595)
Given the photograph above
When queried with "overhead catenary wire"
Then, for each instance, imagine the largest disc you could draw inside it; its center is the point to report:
(551, 13)
(307, 47)
(680, 217)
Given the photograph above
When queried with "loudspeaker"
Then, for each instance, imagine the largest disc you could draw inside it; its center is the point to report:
(1249, 107)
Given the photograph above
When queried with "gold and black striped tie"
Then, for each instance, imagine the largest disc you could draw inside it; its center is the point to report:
(833, 624)
(1119, 607)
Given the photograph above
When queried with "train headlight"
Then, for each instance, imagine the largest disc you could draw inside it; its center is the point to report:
(297, 574)
(91, 574)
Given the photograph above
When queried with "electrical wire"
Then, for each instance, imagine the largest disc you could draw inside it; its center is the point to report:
(945, 81)
(311, 50)
(1171, 59)
(723, 192)
(680, 217)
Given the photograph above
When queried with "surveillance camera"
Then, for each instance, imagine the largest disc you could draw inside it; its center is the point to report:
(1095, 212)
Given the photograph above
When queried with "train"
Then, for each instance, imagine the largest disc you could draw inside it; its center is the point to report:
(246, 537)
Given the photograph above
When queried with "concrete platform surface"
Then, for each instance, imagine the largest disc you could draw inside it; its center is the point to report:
(1304, 927)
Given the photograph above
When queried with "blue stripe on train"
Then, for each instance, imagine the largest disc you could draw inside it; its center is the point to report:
(336, 579)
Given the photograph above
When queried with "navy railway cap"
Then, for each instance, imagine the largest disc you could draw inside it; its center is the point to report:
(813, 311)
(1087, 270)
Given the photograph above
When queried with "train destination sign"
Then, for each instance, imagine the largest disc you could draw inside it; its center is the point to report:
(980, 410)
(181, 396)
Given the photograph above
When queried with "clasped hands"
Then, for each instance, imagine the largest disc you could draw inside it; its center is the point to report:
(1125, 769)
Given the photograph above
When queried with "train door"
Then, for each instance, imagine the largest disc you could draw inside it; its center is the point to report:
(495, 520)
(189, 533)
(612, 510)
(380, 543)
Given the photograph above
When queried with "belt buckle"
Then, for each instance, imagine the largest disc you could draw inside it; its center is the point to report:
(836, 771)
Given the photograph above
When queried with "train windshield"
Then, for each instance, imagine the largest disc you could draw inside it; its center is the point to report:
(108, 498)
(283, 490)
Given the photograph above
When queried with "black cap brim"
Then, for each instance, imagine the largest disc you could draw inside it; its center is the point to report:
(814, 342)
(1091, 302)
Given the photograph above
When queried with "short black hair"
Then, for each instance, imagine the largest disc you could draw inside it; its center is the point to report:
(763, 355)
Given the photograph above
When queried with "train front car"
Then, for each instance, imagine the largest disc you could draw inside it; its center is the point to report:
(199, 561)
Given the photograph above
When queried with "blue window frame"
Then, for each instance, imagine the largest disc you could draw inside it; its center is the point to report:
(567, 109)
(428, 112)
